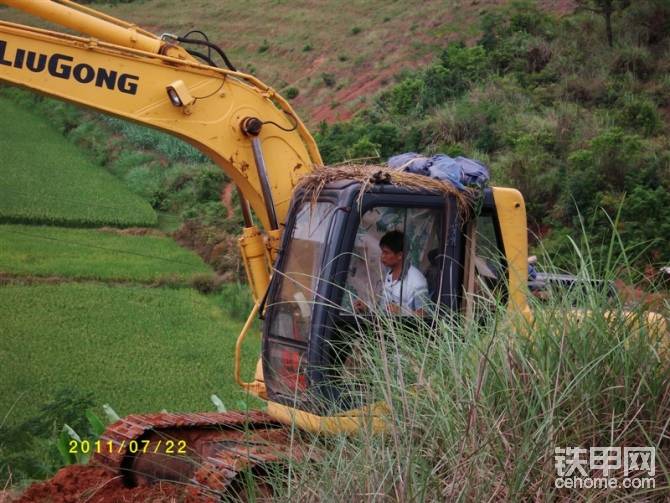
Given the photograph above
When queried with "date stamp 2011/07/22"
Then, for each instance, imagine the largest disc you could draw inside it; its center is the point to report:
(170, 447)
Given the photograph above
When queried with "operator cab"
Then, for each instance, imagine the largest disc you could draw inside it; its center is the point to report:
(329, 276)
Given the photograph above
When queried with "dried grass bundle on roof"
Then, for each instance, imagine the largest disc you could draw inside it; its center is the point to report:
(313, 183)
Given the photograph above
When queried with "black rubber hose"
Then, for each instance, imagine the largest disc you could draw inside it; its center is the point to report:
(211, 46)
(204, 35)
(202, 56)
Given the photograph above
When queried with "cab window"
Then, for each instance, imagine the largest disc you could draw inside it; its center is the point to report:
(490, 267)
(396, 265)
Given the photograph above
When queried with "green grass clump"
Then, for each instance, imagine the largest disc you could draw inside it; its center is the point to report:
(291, 92)
(477, 407)
(45, 179)
(138, 349)
(96, 254)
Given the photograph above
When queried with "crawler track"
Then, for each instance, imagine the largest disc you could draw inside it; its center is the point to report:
(194, 457)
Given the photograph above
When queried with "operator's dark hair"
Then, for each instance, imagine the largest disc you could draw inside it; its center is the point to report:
(393, 240)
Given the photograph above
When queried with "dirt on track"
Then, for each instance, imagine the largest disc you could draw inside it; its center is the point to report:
(82, 483)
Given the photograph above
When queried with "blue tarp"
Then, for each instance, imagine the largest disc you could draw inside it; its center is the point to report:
(460, 171)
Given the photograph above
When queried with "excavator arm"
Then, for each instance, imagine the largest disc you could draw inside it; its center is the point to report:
(243, 125)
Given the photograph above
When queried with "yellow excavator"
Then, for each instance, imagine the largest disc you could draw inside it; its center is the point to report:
(299, 259)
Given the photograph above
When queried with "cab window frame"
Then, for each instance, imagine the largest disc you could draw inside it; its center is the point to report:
(449, 288)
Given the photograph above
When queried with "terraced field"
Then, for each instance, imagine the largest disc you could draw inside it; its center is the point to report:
(139, 349)
(105, 254)
(109, 309)
(46, 180)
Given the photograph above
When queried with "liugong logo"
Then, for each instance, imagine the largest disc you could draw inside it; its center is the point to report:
(62, 66)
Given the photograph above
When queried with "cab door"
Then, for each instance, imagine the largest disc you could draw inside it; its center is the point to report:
(429, 284)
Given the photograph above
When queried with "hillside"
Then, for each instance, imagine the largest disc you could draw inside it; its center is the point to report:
(578, 126)
(336, 58)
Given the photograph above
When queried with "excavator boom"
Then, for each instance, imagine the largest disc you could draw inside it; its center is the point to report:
(133, 84)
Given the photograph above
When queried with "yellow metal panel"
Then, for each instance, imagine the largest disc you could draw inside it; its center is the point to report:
(511, 211)
(367, 418)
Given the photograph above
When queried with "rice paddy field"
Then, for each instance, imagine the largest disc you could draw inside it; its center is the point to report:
(93, 298)
(104, 254)
(138, 349)
(47, 180)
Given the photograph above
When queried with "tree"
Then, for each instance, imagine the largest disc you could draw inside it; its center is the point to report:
(605, 8)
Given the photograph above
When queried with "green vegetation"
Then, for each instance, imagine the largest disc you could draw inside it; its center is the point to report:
(60, 185)
(573, 117)
(138, 349)
(291, 92)
(69, 346)
(28, 449)
(476, 410)
(174, 178)
(97, 254)
(328, 79)
(569, 127)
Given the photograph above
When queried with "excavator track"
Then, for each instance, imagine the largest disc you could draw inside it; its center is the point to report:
(204, 453)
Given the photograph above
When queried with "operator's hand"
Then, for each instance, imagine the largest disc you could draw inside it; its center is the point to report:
(394, 309)
(359, 306)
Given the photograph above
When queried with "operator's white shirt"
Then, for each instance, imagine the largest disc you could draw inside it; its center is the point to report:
(410, 291)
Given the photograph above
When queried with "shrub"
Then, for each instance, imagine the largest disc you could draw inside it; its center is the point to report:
(143, 181)
(649, 208)
(649, 21)
(264, 46)
(587, 90)
(661, 90)
(214, 244)
(405, 97)
(356, 30)
(128, 159)
(417, 92)
(634, 59)
(470, 63)
(90, 137)
(640, 114)
(364, 148)
(291, 92)
(328, 79)
(29, 450)
(601, 168)
(512, 36)
(465, 120)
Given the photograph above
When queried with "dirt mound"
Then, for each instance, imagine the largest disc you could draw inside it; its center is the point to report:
(214, 245)
(80, 483)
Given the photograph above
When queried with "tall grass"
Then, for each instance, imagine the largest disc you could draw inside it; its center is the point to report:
(476, 408)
